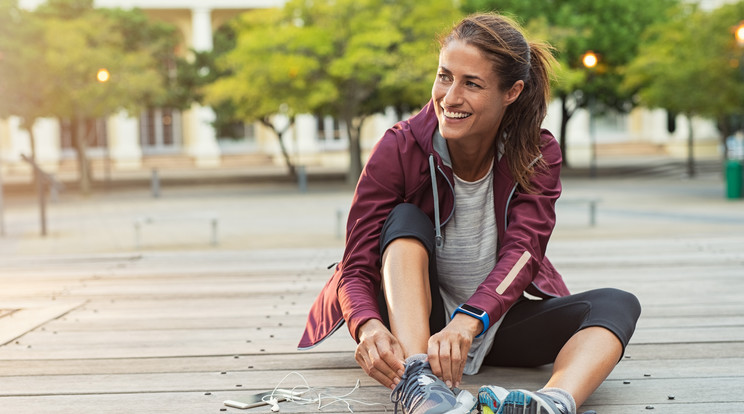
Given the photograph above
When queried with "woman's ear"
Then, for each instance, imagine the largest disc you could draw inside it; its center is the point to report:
(513, 93)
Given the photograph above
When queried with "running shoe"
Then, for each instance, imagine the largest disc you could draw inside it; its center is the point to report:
(490, 398)
(526, 402)
(421, 392)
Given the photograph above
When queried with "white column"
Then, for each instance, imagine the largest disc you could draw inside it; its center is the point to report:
(203, 143)
(46, 132)
(304, 133)
(201, 26)
(124, 146)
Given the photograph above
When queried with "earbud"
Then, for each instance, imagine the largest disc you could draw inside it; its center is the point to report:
(274, 405)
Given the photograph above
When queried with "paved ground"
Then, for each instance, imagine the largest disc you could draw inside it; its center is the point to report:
(637, 202)
(92, 323)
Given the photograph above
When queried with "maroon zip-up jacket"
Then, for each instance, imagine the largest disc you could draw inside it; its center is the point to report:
(399, 170)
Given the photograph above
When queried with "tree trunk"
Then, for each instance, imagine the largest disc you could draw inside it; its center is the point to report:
(566, 115)
(355, 148)
(283, 148)
(81, 146)
(690, 148)
(30, 129)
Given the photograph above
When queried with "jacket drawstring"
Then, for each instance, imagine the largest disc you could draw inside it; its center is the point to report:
(437, 225)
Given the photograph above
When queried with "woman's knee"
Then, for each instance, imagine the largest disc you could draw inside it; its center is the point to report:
(620, 301)
(616, 310)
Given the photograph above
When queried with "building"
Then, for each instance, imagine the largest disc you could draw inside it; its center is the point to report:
(187, 139)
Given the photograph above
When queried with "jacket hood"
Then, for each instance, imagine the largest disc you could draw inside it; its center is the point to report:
(422, 126)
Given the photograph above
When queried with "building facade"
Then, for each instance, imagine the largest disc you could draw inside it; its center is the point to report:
(128, 141)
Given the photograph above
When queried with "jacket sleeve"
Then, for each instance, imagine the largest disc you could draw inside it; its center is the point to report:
(379, 190)
(530, 219)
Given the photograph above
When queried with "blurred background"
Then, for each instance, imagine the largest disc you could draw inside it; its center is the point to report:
(95, 94)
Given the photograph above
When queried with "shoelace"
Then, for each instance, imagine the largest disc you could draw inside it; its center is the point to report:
(408, 391)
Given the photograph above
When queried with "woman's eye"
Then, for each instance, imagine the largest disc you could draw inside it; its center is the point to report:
(472, 84)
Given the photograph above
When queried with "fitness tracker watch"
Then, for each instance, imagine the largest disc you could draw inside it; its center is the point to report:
(475, 313)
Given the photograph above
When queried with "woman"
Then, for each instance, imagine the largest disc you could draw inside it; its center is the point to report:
(447, 235)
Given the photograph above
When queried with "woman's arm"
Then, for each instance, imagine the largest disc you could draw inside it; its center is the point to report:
(530, 222)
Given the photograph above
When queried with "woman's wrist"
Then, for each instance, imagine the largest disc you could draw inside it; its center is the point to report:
(471, 325)
(369, 325)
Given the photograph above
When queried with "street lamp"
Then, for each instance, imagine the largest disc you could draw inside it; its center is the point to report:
(103, 76)
(590, 61)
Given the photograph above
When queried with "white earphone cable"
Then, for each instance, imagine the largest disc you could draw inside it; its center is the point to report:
(298, 397)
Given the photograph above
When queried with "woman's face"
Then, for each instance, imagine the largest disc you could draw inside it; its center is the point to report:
(467, 98)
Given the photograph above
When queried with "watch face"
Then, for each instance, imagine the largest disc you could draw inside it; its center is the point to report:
(473, 309)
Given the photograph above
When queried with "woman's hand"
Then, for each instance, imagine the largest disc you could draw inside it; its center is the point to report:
(448, 349)
(379, 353)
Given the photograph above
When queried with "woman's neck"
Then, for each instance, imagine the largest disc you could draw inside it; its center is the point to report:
(470, 164)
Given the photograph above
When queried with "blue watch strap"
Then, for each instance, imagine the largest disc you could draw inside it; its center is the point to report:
(482, 316)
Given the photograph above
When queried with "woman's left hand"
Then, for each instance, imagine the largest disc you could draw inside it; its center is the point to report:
(448, 349)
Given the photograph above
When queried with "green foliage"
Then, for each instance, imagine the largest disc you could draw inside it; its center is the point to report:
(610, 28)
(77, 48)
(22, 90)
(65, 9)
(692, 64)
(272, 66)
(331, 57)
(160, 41)
(407, 84)
(51, 58)
(345, 58)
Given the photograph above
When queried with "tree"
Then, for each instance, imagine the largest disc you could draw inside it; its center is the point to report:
(53, 55)
(177, 87)
(691, 65)
(49, 60)
(24, 82)
(346, 58)
(79, 46)
(270, 71)
(610, 28)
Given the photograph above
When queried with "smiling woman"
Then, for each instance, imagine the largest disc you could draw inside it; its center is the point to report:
(446, 241)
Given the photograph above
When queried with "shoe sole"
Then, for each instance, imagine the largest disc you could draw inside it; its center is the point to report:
(523, 402)
(488, 401)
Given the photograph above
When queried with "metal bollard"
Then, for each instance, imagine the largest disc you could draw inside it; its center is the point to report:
(592, 213)
(302, 178)
(155, 183)
(213, 220)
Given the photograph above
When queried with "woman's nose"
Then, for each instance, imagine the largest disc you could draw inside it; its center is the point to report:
(453, 95)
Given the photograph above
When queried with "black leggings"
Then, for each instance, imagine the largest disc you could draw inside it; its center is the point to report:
(533, 331)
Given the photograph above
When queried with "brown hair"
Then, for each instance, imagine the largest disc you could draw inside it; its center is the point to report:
(501, 41)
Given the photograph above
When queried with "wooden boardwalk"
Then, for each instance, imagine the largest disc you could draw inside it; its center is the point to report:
(181, 326)
(181, 333)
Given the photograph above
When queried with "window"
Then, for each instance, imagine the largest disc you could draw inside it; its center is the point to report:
(94, 132)
(330, 132)
(160, 130)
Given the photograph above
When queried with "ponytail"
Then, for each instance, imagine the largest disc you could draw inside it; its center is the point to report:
(520, 129)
